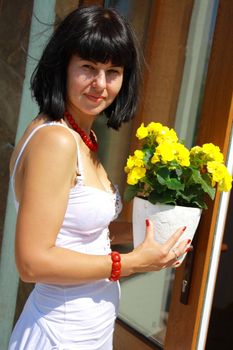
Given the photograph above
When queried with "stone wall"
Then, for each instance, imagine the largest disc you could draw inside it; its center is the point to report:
(15, 19)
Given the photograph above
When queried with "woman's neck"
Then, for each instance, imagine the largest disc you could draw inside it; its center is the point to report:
(84, 121)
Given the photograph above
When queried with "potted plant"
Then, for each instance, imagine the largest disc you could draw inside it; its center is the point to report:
(169, 183)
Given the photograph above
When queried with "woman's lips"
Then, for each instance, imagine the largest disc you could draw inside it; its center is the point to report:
(95, 98)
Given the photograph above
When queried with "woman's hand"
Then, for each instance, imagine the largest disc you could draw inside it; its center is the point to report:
(152, 256)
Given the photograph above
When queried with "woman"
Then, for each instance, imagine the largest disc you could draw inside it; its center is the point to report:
(64, 198)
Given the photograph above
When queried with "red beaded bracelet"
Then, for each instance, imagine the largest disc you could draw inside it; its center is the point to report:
(116, 266)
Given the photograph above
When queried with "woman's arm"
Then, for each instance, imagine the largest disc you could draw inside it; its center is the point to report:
(48, 171)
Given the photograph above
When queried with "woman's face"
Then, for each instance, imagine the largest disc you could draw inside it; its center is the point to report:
(92, 86)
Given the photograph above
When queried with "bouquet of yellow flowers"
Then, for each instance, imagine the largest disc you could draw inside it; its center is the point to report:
(165, 171)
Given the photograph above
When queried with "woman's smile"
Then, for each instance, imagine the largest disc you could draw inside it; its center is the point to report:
(95, 98)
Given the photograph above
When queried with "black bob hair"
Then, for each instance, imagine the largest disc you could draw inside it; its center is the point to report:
(97, 34)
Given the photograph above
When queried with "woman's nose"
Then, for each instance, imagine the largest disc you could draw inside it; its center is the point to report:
(100, 80)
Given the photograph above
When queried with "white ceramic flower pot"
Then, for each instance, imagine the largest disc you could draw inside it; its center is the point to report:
(166, 220)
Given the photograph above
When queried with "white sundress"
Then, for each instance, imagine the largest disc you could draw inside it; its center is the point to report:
(74, 317)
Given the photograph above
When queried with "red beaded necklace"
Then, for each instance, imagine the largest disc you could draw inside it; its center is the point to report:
(89, 141)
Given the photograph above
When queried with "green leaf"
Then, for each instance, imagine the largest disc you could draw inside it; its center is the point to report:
(193, 199)
(161, 180)
(185, 196)
(174, 184)
(170, 183)
(163, 172)
(179, 172)
(165, 197)
(200, 203)
(203, 182)
(130, 192)
(148, 153)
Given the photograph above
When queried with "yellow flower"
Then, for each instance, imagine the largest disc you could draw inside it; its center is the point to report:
(166, 135)
(139, 172)
(195, 150)
(138, 162)
(142, 132)
(172, 135)
(134, 161)
(139, 154)
(154, 127)
(213, 152)
(166, 151)
(131, 179)
(135, 175)
(182, 154)
(207, 153)
(225, 184)
(130, 162)
(155, 158)
(217, 170)
(220, 174)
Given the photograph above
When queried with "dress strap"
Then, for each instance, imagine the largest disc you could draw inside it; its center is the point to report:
(31, 135)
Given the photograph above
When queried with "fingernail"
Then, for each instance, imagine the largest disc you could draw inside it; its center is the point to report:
(147, 223)
(189, 249)
(177, 263)
(184, 228)
(189, 241)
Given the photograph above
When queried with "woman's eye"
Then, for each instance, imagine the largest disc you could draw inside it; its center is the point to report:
(113, 71)
(88, 67)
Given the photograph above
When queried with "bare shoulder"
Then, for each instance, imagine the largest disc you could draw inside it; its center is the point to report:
(52, 153)
(48, 162)
(49, 137)
(51, 148)
(54, 137)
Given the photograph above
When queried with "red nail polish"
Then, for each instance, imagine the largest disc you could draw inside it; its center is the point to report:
(147, 223)
(184, 228)
(188, 250)
(189, 241)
